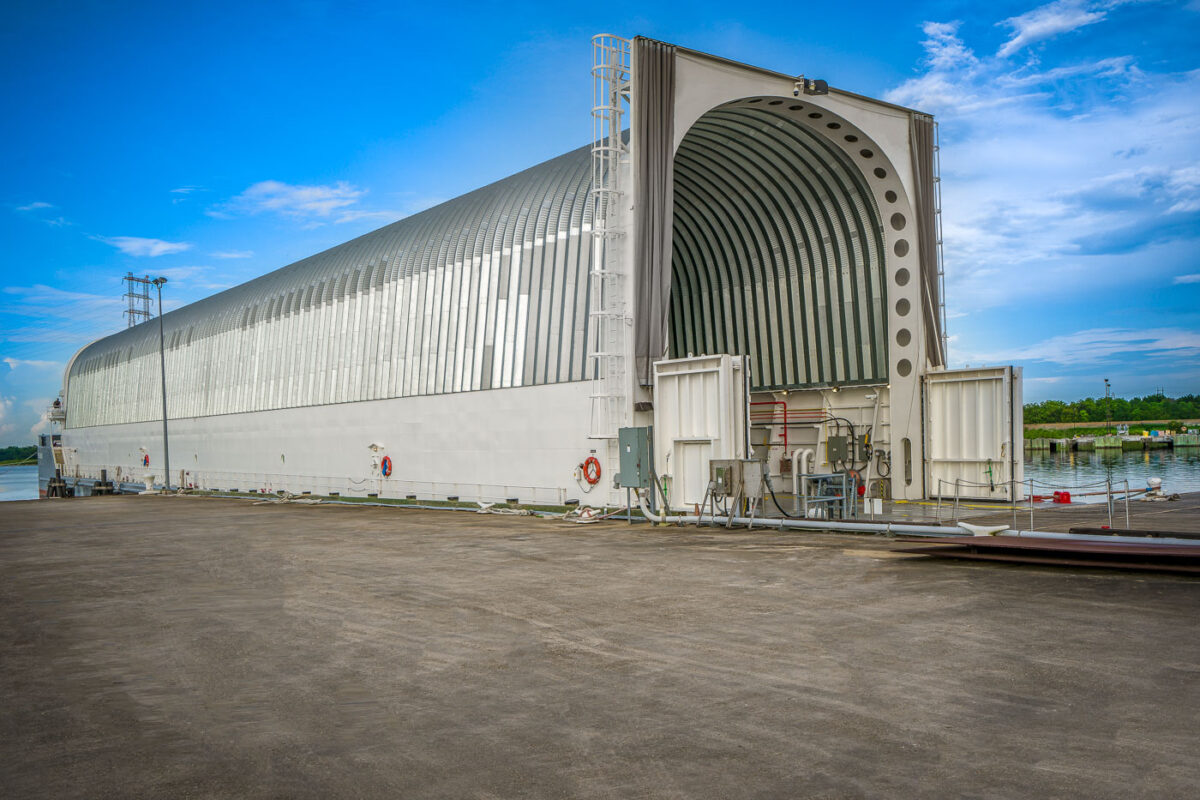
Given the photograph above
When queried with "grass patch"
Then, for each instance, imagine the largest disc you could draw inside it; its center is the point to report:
(1068, 433)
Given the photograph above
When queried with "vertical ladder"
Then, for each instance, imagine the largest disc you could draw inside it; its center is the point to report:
(937, 216)
(608, 314)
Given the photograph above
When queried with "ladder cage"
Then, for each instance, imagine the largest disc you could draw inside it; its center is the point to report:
(937, 217)
(608, 314)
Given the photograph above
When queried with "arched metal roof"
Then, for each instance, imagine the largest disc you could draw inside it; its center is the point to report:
(487, 290)
(777, 251)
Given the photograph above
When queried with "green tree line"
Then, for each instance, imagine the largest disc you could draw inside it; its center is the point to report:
(1133, 409)
(17, 453)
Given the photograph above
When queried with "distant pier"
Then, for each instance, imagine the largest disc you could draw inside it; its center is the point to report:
(1113, 442)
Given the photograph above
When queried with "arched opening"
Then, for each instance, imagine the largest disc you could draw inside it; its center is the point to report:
(778, 247)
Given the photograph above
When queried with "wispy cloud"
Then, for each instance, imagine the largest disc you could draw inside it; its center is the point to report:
(1192, 278)
(1101, 345)
(296, 201)
(195, 276)
(138, 246)
(38, 205)
(46, 306)
(943, 48)
(1100, 163)
(1045, 22)
(313, 205)
(233, 254)
(20, 363)
(351, 216)
(183, 193)
(7, 426)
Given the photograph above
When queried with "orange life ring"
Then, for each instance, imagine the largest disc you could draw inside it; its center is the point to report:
(385, 466)
(591, 470)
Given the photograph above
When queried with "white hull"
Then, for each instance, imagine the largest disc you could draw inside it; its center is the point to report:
(522, 443)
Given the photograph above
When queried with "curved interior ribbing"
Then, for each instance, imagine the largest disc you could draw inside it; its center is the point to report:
(777, 252)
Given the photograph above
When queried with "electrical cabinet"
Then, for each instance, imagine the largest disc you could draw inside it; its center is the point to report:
(724, 476)
(753, 483)
(730, 477)
(634, 444)
(836, 449)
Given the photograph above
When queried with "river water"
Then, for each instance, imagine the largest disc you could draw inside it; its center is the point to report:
(1087, 472)
(19, 483)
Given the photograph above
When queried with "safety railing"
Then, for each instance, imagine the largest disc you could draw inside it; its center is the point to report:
(1028, 485)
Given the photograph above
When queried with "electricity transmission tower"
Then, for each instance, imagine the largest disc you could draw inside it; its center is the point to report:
(137, 295)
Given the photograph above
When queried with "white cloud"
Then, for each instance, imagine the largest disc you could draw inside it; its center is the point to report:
(41, 407)
(313, 205)
(296, 201)
(137, 246)
(1123, 67)
(47, 315)
(1060, 177)
(943, 48)
(18, 363)
(185, 190)
(197, 276)
(1192, 278)
(1113, 345)
(41, 426)
(1184, 184)
(6, 424)
(35, 206)
(1048, 21)
(233, 254)
(351, 216)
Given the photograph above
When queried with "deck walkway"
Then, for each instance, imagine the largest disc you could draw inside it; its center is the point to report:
(200, 647)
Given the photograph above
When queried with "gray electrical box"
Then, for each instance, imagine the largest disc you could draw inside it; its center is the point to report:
(733, 477)
(724, 476)
(753, 485)
(836, 449)
(634, 444)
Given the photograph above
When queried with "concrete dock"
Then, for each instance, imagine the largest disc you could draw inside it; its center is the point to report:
(187, 647)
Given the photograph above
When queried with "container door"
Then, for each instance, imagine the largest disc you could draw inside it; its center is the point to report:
(974, 433)
(699, 415)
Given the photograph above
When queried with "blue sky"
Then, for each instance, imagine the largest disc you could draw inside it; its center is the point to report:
(213, 142)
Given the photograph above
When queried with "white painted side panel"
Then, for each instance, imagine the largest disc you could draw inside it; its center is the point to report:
(522, 442)
(699, 415)
(972, 427)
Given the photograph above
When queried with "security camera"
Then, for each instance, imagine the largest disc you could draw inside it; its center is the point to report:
(810, 86)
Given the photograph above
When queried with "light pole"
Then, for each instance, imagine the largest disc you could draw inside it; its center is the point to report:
(162, 360)
(1107, 403)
